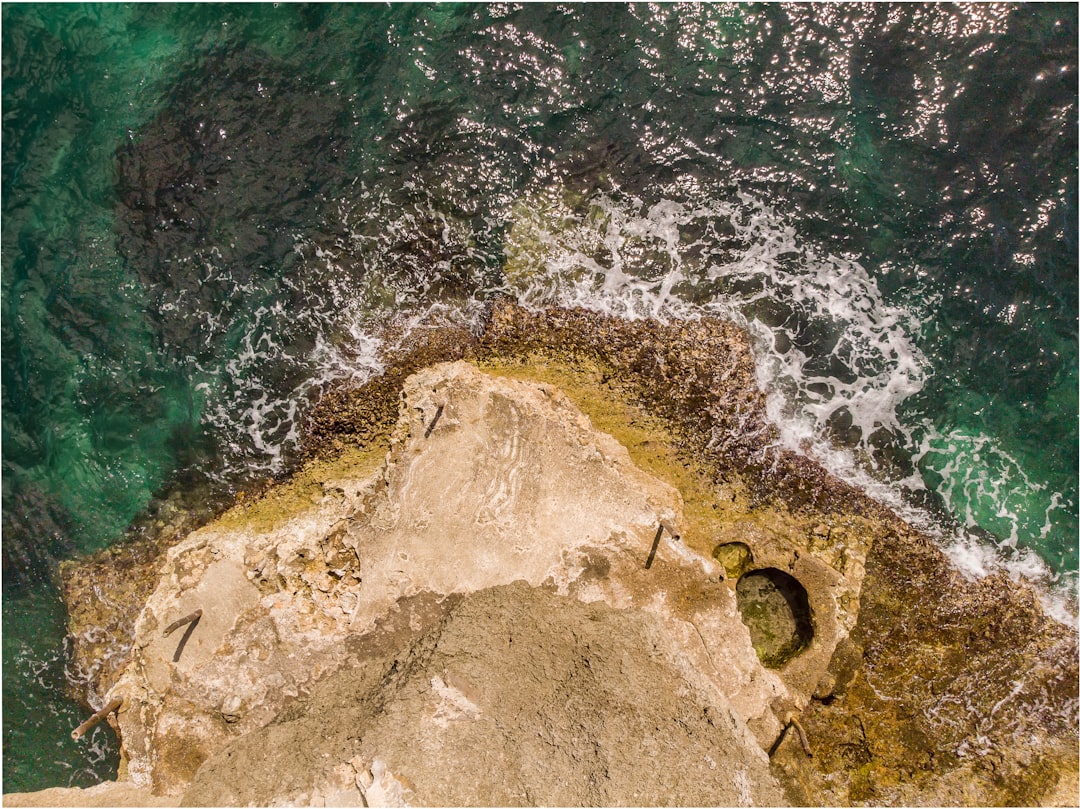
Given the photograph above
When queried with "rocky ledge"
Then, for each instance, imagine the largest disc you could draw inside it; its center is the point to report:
(563, 563)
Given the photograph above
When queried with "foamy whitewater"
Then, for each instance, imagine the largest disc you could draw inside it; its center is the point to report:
(829, 348)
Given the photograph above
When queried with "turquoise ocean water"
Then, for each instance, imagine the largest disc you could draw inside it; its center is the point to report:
(209, 210)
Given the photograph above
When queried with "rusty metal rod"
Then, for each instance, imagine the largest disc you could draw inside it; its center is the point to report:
(655, 545)
(187, 619)
(184, 639)
(93, 720)
(665, 525)
(802, 735)
(669, 526)
(434, 421)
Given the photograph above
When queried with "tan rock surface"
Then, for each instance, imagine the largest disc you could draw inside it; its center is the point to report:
(515, 696)
(109, 793)
(487, 481)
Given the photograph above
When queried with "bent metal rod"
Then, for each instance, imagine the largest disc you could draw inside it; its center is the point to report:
(93, 720)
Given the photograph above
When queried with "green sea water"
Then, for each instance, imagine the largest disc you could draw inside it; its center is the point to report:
(208, 210)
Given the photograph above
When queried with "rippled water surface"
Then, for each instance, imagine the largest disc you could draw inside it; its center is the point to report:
(209, 210)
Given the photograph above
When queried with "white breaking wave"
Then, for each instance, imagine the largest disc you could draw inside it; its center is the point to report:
(828, 347)
(835, 359)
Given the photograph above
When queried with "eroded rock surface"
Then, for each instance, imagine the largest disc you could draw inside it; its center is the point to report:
(487, 481)
(915, 686)
(516, 696)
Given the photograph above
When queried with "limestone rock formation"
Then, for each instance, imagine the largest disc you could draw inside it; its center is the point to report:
(487, 481)
(357, 618)
(516, 696)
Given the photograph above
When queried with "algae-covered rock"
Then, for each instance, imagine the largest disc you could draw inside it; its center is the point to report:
(736, 557)
(775, 608)
(556, 455)
(960, 693)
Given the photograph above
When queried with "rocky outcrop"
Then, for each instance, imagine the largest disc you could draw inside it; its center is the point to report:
(515, 696)
(581, 484)
(106, 592)
(950, 691)
(487, 481)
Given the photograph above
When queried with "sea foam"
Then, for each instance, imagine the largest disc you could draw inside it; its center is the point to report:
(835, 358)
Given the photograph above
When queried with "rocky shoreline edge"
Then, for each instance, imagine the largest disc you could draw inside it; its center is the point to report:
(726, 623)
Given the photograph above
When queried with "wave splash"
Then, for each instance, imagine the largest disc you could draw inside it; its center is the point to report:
(836, 360)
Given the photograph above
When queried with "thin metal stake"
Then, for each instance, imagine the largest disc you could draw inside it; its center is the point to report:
(187, 619)
(93, 720)
(434, 421)
(187, 634)
(802, 736)
(655, 545)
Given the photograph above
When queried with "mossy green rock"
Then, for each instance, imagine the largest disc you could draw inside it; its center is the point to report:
(774, 607)
(735, 557)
